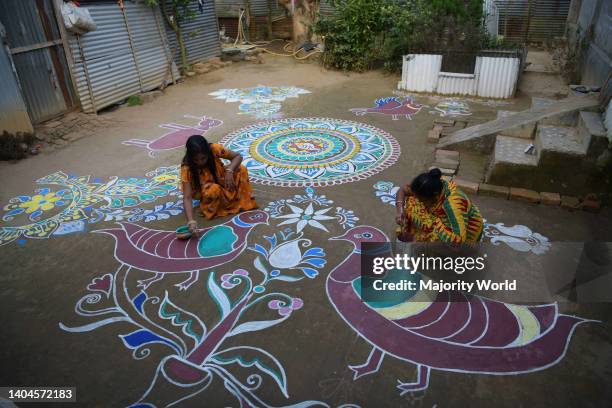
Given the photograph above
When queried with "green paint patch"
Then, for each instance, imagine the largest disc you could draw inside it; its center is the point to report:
(218, 241)
(390, 298)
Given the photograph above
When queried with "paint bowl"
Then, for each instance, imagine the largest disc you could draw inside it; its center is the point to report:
(183, 232)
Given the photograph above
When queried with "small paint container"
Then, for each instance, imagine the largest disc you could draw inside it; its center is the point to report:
(183, 232)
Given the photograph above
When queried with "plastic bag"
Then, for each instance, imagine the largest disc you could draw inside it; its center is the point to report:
(77, 19)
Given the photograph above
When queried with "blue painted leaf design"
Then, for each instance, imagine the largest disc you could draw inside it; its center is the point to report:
(247, 356)
(314, 252)
(271, 240)
(139, 300)
(142, 337)
(311, 273)
(219, 296)
(35, 215)
(316, 262)
(260, 249)
(9, 215)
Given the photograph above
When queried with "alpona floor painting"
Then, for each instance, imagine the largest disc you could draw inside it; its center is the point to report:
(195, 345)
(265, 308)
(261, 102)
(455, 332)
(70, 202)
(393, 106)
(314, 152)
(178, 135)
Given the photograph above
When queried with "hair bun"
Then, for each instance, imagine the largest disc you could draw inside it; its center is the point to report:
(435, 172)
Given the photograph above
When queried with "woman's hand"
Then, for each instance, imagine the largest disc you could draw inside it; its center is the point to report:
(229, 179)
(193, 227)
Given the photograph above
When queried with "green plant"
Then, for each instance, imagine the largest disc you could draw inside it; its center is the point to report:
(178, 14)
(134, 100)
(363, 32)
(15, 146)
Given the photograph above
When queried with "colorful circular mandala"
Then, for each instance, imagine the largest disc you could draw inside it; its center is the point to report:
(312, 151)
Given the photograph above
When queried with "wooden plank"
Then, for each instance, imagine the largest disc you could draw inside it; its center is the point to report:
(532, 115)
(32, 47)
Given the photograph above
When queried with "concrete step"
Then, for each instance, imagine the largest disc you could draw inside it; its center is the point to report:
(473, 166)
(510, 164)
(559, 142)
(560, 164)
(511, 150)
(590, 125)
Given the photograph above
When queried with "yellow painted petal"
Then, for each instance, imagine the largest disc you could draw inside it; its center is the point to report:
(530, 327)
(46, 206)
(29, 206)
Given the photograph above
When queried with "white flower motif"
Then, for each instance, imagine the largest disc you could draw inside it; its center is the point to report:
(306, 217)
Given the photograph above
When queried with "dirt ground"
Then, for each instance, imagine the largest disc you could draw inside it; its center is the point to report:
(52, 285)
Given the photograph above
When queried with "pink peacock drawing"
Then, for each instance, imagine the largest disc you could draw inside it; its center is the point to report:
(393, 106)
(160, 252)
(456, 332)
(178, 136)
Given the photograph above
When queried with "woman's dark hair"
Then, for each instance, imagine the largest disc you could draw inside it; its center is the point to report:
(195, 145)
(427, 185)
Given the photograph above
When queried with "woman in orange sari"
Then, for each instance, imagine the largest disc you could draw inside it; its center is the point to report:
(222, 190)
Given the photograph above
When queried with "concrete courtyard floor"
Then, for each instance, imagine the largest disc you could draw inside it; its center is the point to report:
(287, 355)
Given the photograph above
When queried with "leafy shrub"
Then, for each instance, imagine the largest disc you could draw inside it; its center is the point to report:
(15, 146)
(363, 32)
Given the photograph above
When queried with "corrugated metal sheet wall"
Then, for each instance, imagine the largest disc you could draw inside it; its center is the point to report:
(420, 72)
(497, 77)
(201, 35)
(258, 8)
(326, 9)
(492, 78)
(113, 62)
(13, 112)
(456, 84)
(34, 40)
(532, 20)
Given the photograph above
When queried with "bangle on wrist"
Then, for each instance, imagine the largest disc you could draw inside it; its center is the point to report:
(194, 222)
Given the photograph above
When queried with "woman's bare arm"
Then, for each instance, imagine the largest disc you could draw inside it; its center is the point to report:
(188, 206)
(400, 198)
(236, 159)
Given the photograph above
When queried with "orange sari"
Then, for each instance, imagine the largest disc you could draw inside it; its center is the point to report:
(215, 199)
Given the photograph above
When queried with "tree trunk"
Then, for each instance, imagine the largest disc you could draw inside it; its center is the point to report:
(304, 14)
(175, 26)
(182, 48)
